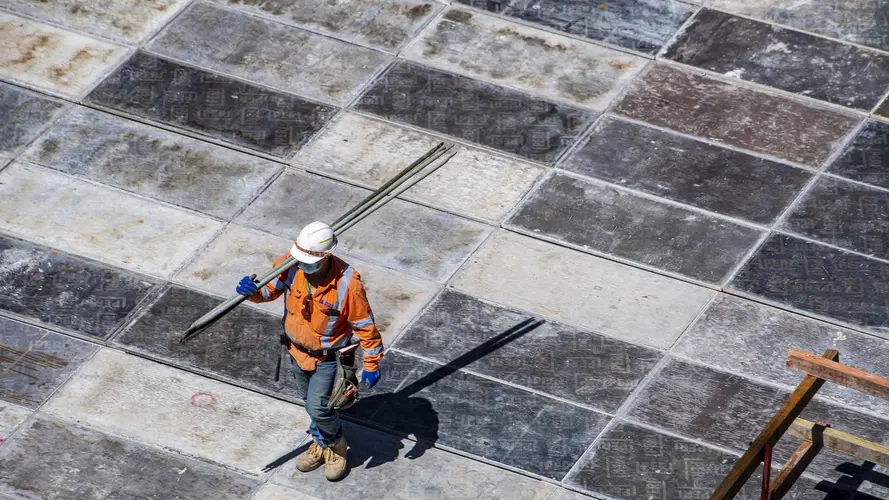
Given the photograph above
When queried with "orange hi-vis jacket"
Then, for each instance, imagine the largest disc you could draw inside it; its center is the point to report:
(338, 308)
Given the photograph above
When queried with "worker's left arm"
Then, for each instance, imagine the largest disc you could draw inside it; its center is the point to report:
(361, 319)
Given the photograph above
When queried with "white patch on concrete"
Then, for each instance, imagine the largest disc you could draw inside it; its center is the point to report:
(163, 406)
(11, 416)
(735, 73)
(777, 47)
(98, 222)
(52, 59)
(604, 296)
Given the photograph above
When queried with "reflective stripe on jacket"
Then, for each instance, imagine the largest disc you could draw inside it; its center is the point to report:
(338, 308)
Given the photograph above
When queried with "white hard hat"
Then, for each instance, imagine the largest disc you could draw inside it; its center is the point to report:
(314, 242)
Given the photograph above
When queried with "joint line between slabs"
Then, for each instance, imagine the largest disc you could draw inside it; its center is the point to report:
(679, 32)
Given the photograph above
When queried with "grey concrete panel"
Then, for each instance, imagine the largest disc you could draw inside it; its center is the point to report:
(242, 114)
(499, 422)
(737, 116)
(269, 53)
(53, 460)
(866, 158)
(152, 162)
(35, 362)
(820, 280)
(688, 171)
(23, 116)
(612, 221)
(643, 25)
(474, 111)
(11, 416)
(566, 362)
(62, 290)
(786, 59)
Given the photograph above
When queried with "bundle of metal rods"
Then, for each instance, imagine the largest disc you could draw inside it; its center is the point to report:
(404, 180)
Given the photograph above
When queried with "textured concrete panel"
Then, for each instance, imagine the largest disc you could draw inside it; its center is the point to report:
(600, 372)
(98, 222)
(643, 25)
(688, 171)
(866, 158)
(388, 237)
(166, 407)
(782, 58)
(530, 59)
(59, 289)
(53, 460)
(126, 20)
(754, 340)
(616, 222)
(52, 59)
(474, 111)
(23, 116)
(35, 362)
(371, 152)
(225, 109)
(860, 21)
(439, 404)
(605, 297)
(274, 492)
(738, 116)
(384, 466)
(11, 416)
(385, 24)
(152, 162)
(269, 53)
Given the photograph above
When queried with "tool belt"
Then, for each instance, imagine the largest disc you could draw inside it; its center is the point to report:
(321, 354)
(344, 392)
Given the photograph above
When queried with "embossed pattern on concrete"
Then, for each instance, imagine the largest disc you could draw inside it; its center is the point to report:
(737, 116)
(23, 116)
(478, 112)
(52, 59)
(99, 222)
(269, 53)
(35, 362)
(866, 158)
(608, 298)
(152, 162)
(530, 59)
(688, 171)
(129, 21)
(177, 410)
(786, 59)
(242, 114)
(11, 416)
(370, 152)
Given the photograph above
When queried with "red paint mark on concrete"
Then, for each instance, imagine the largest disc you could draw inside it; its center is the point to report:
(203, 399)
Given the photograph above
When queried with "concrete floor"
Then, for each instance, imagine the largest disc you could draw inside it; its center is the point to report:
(682, 192)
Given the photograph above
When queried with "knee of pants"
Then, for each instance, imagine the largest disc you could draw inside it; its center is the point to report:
(315, 407)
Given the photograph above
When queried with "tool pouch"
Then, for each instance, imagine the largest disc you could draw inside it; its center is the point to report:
(345, 383)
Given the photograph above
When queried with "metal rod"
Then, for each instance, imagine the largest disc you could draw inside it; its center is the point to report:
(766, 472)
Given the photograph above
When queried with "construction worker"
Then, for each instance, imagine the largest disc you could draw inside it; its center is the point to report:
(324, 305)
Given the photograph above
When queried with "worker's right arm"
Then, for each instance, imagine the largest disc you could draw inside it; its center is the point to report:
(276, 287)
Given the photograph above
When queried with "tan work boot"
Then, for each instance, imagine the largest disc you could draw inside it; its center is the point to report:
(335, 460)
(310, 459)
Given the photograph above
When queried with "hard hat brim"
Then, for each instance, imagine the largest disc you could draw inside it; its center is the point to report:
(303, 257)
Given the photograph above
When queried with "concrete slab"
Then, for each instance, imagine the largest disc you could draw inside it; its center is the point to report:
(534, 60)
(274, 492)
(866, 158)
(23, 116)
(370, 152)
(99, 222)
(11, 416)
(269, 53)
(54, 460)
(737, 116)
(59, 289)
(475, 111)
(605, 297)
(177, 410)
(129, 21)
(386, 238)
(786, 59)
(152, 162)
(385, 24)
(600, 373)
(51, 59)
(228, 110)
(35, 362)
(608, 220)
(384, 466)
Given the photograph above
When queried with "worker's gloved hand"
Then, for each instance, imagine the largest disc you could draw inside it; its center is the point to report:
(246, 286)
(370, 379)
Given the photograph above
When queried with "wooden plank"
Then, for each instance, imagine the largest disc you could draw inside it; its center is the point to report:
(841, 374)
(842, 442)
(796, 464)
(777, 426)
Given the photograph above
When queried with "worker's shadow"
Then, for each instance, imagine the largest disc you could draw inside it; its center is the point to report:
(846, 487)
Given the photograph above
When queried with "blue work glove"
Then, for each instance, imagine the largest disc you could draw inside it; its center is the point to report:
(370, 379)
(246, 286)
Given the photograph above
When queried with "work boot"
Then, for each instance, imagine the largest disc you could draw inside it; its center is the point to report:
(335, 460)
(310, 459)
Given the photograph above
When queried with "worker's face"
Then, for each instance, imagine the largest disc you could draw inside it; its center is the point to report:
(318, 268)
